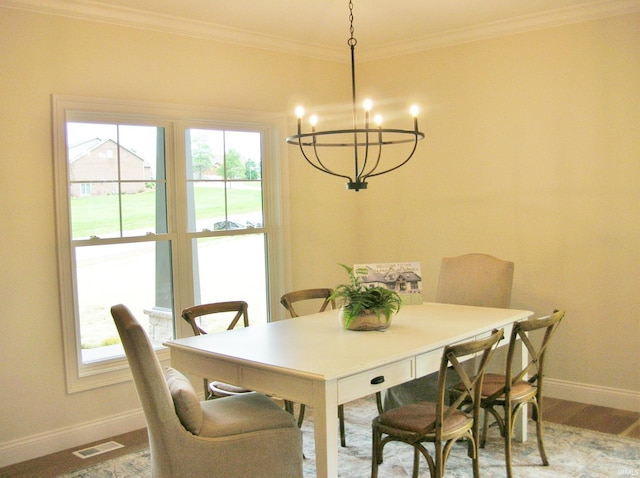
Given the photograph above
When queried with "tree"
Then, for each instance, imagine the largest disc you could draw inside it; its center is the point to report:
(252, 172)
(201, 156)
(233, 167)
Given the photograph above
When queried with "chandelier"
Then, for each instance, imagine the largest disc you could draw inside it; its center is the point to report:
(366, 142)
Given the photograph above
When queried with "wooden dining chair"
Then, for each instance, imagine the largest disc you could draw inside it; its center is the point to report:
(435, 422)
(320, 296)
(195, 315)
(209, 317)
(504, 396)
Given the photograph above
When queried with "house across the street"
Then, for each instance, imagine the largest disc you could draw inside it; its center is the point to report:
(95, 166)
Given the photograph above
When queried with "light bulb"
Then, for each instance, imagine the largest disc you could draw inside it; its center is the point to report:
(299, 111)
(378, 120)
(414, 110)
(367, 104)
(313, 120)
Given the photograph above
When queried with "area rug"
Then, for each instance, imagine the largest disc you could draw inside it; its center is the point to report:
(572, 453)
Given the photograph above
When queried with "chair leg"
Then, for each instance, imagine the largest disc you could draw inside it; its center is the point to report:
(288, 406)
(539, 433)
(343, 440)
(473, 450)
(439, 460)
(207, 392)
(508, 433)
(485, 428)
(301, 415)
(376, 456)
(416, 462)
(379, 402)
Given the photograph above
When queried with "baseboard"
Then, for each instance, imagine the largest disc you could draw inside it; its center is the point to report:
(42, 444)
(592, 394)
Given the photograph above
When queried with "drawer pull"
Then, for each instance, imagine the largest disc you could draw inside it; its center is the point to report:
(377, 380)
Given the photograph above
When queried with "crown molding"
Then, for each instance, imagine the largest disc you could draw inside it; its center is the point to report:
(96, 11)
(123, 16)
(553, 18)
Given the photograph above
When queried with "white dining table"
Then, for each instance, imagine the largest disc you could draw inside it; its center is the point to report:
(313, 360)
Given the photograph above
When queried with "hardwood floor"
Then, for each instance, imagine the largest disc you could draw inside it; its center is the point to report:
(591, 417)
(65, 461)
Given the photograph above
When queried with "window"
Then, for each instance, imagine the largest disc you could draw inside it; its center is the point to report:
(157, 212)
(225, 195)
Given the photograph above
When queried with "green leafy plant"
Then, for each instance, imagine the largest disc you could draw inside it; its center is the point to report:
(357, 297)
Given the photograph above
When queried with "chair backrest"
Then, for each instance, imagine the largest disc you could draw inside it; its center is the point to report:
(533, 369)
(288, 299)
(471, 384)
(191, 314)
(157, 404)
(475, 279)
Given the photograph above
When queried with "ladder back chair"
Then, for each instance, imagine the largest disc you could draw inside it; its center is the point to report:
(442, 425)
(195, 315)
(290, 298)
(505, 396)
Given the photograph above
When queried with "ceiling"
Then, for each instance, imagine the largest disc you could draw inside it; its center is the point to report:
(320, 28)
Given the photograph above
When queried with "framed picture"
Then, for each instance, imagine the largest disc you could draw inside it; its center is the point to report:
(403, 277)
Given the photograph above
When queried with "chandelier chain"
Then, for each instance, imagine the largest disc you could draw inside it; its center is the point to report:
(352, 41)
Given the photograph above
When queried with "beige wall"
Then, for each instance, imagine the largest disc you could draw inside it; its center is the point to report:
(42, 55)
(532, 155)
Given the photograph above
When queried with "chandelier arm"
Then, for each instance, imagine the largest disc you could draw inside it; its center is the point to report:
(356, 167)
(366, 155)
(371, 174)
(377, 163)
(322, 167)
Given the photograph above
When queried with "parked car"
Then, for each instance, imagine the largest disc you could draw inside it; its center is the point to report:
(226, 225)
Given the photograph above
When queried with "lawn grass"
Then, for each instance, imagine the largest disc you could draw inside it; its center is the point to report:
(100, 215)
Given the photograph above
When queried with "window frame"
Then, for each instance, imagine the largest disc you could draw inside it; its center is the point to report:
(175, 119)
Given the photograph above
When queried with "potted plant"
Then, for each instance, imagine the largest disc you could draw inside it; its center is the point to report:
(365, 308)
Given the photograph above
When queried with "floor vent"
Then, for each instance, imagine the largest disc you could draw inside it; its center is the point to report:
(98, 449)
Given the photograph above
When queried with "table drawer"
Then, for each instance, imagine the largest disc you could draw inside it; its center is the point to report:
(428, 363)
(375, 380)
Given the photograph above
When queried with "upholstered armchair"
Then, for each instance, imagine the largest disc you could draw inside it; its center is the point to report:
(240, 436)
